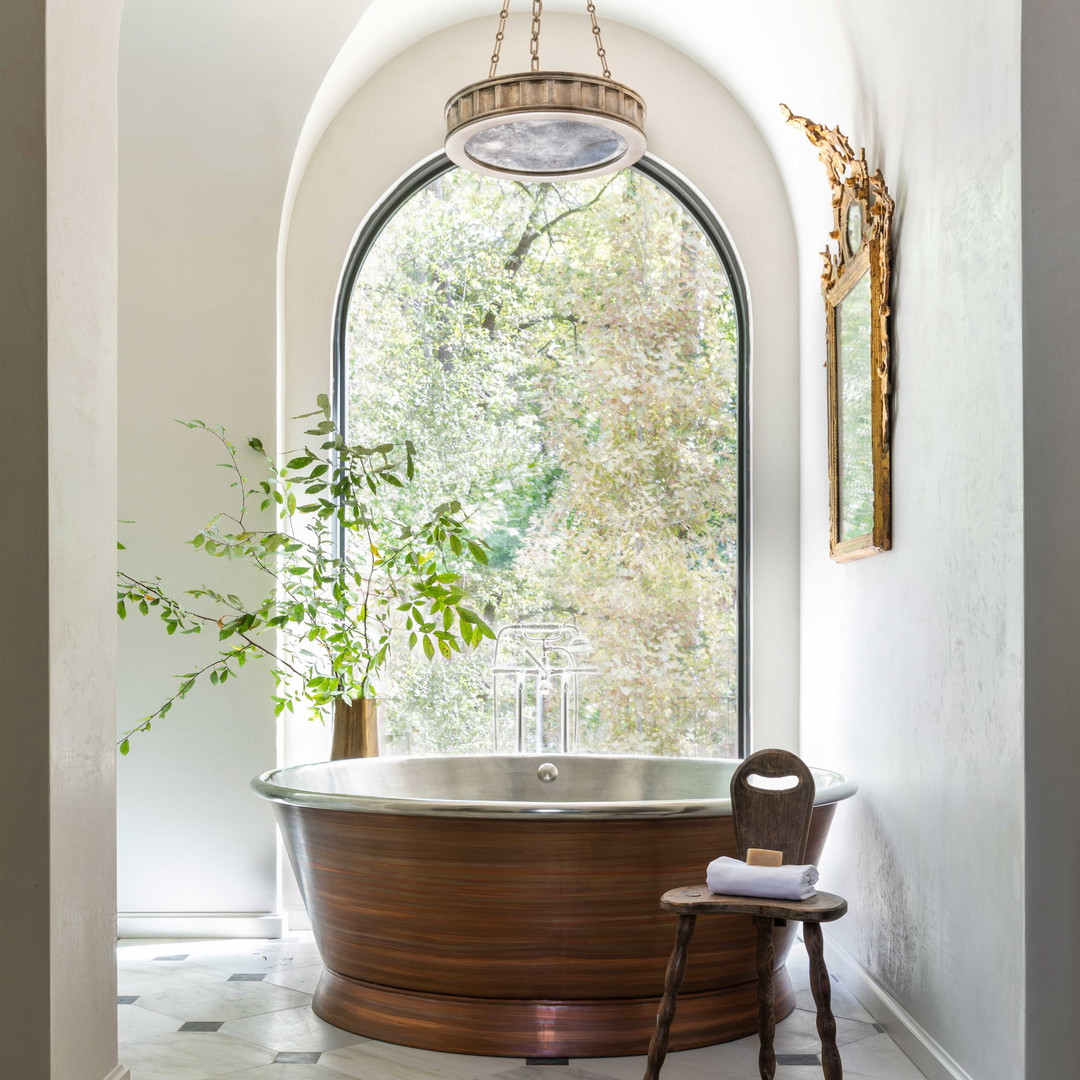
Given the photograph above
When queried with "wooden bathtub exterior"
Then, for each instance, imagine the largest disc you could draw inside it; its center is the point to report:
(534, 937)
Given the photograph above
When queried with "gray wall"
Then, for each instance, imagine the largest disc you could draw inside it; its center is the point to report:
(1051, 245)
(57, 643)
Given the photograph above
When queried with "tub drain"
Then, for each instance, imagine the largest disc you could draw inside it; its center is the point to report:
(547, 772)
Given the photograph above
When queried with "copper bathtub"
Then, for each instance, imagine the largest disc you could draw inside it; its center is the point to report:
(476, 905)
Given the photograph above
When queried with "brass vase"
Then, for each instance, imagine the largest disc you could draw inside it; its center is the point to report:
(356, 730)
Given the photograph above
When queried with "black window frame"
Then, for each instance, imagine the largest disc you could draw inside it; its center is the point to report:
(702, 213)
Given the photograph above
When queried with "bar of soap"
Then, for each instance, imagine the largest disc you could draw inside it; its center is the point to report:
(757, 856)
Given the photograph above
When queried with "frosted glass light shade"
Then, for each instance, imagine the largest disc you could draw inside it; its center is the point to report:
(545, 125)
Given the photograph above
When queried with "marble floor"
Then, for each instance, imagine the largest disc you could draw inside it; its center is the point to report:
(195, 1010)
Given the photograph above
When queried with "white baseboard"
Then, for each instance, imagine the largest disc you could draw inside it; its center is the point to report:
(927, 1054)
(198, 924)
(296, 917)
(119, 1073)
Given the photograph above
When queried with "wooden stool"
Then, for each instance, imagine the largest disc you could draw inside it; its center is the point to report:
(778, 820)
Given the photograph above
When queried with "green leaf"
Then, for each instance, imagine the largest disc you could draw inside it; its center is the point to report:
(299, 462)
(444, 648)
(125, 747)
(477, 552)
(429, 649)
(323, 401)
(121, 609)
(256, 444)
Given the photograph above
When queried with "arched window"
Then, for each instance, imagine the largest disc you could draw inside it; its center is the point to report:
(569, 359)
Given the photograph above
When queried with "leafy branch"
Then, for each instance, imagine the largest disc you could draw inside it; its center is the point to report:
(334, 610)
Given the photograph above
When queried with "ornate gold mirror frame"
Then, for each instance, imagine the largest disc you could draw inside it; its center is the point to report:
(855, 284)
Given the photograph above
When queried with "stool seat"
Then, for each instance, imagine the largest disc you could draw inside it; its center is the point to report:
(776, 818)
(697, 900)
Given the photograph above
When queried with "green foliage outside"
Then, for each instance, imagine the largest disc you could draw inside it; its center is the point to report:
(564, 357)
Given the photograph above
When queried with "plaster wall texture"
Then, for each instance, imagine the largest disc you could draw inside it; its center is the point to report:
(395, 120)
(912, 661)
(212, 97)
(57, 645)
(1051, 245)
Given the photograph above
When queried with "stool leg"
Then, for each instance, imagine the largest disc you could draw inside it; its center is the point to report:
(676, 969)
(766, 996)
(819, 984)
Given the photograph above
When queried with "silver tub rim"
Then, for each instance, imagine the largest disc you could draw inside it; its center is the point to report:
(272, 785)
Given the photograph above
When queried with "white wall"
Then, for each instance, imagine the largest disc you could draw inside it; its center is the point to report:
(212, 97)
(57, 643)
(912, 660)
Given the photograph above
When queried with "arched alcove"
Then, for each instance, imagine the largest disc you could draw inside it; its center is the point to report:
(394, 120)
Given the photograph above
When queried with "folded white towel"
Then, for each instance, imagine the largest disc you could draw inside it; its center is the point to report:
(732, 877)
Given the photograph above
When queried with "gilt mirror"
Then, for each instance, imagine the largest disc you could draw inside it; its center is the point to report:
(855, 284)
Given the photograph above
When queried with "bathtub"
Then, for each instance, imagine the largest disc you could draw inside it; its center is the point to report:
(509, 905)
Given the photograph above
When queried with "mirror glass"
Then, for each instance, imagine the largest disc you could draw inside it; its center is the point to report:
(854, 227)
(854, 412)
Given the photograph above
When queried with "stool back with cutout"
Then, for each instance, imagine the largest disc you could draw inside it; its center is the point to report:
(778, 819)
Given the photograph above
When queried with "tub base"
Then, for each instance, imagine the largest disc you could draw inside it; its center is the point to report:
(523, 1028)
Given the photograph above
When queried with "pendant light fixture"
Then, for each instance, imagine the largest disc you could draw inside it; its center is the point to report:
(545, 125)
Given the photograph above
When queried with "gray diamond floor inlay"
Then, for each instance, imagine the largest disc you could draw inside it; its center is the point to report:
(262, 990)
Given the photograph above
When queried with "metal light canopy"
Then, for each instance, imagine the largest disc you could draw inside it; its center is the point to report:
(545, 125)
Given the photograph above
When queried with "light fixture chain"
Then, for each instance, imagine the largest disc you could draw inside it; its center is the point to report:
(601, 52)
(499, 38)
(534, 43)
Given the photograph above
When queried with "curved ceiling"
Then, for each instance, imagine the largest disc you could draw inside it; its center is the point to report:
(764, 52)
(260, 80)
